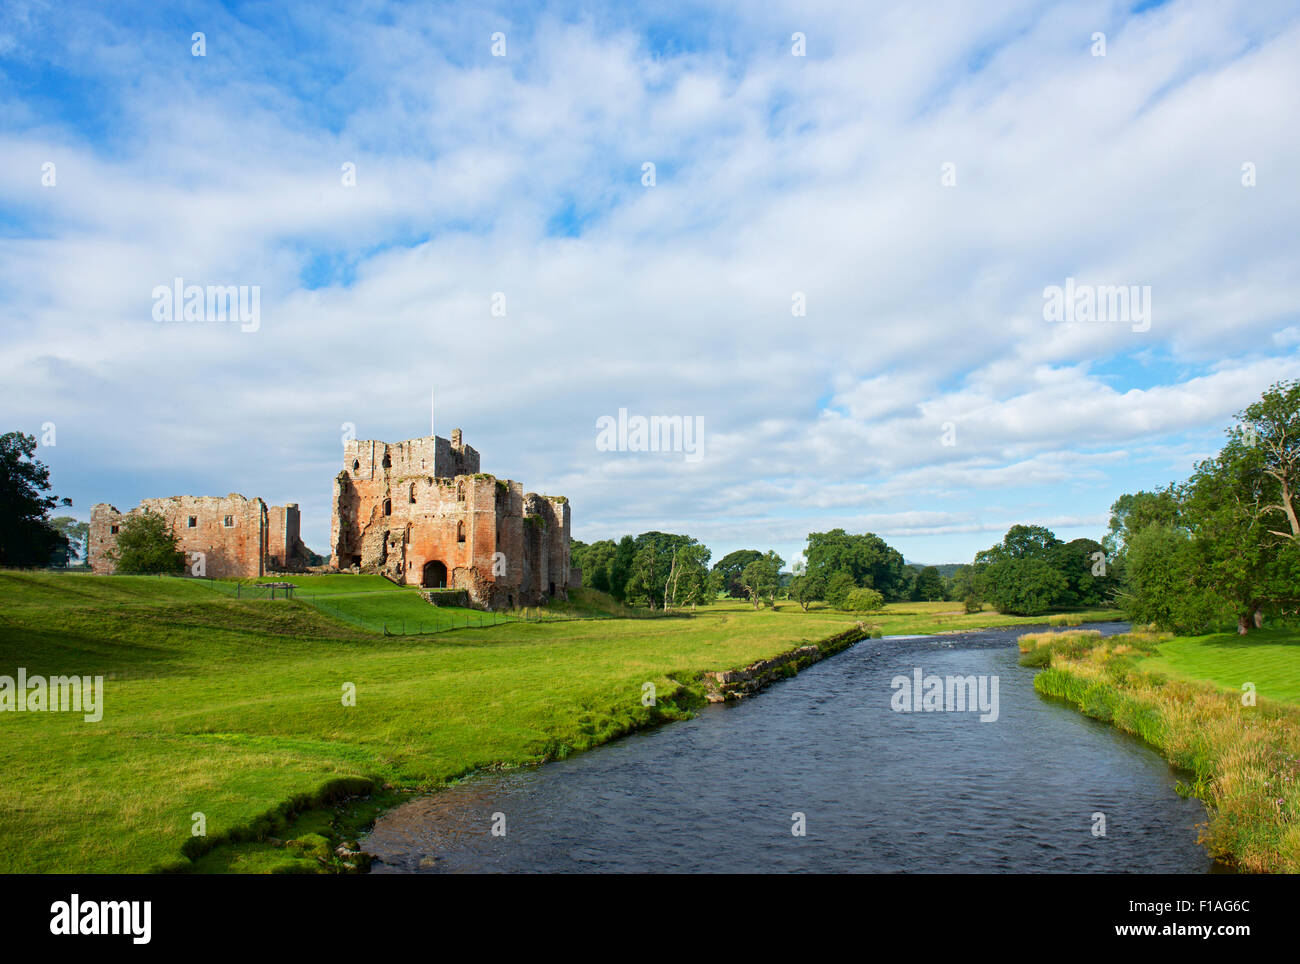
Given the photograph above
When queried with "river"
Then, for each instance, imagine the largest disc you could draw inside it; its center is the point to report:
(878, 790)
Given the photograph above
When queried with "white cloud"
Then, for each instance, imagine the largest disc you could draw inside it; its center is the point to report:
(775, 174)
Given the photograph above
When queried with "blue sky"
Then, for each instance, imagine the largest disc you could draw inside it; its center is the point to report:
(521, 176)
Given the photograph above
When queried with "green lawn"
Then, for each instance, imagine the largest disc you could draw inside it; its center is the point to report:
(231, 707)
(334, 583)
(1269, 658)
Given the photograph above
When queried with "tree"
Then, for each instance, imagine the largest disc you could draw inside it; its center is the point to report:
(838, 586)
(964, 585)
(929, 585)
(1227, 505)
(1021, 542)
(867, 559)
(1089, 579)
(805, 589)
(863, 601)
(643, 582)
(78, 536)
(1166, 586)
(1133, 513)
(1271, 428)
(146, 544)
(620, 567)
(760, 578)
(27, 537)
(1023, 586)
(729, 568)
(688, 577)
(595, 561)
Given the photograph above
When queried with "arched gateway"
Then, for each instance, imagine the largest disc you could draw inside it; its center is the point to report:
(435, 576)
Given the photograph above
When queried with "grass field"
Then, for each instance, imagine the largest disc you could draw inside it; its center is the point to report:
(232, 708)
(1243, 760)
(1269, 658)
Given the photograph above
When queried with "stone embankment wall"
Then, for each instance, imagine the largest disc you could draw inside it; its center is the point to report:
(736, 684)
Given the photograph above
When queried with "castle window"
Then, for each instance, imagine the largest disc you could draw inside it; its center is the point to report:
(412, 493)
(356, 465)
(228, 521)
(460, 491)
(191, 522)
(460, 532)
(388, 507)
(113, 529)
(388, 463)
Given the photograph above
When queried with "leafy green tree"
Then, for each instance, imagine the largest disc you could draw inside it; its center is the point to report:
(838, 587)
(964, 584)
(620, 567)
(688, 576)
(863, 601)
(146, 544)
(1023, 586)
(867, 559)
(929, 585)
(595, 561)
(642, 584)
(1133, 513)
(760, 579)
(730, 567)
(1227, 505)
(805, 589)
(1166, 569)
(1090, 580)
(1270, 428)
(1021, 542)
(27, 537)
(1225, 545)
(717, 584)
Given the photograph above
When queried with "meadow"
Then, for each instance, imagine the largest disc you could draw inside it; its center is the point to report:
(1268, 658)
(234, 709)
(1184, 696)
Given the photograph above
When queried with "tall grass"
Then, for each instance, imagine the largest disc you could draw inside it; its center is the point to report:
(1243, 761)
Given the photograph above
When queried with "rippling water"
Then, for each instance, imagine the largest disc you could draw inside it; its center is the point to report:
(880, 791)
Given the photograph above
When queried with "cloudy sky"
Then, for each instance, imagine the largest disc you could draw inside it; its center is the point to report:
(916, 178)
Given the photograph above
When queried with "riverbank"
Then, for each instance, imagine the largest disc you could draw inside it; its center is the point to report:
(1240, 750)
(259, 721)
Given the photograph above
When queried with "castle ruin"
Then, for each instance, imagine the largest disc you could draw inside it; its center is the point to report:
(420, 512)
(238, 538)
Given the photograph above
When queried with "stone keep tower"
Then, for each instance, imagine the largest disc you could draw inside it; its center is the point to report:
(421, 513)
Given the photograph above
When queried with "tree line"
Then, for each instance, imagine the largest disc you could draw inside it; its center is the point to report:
(858, 573)
(1219, 549)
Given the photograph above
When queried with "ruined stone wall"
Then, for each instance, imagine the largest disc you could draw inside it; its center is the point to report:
(230, 532)
(367, 459)
(283, 535)
(409, 511)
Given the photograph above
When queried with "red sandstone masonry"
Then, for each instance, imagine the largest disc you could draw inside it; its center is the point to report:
(240, 538)
(420, 512)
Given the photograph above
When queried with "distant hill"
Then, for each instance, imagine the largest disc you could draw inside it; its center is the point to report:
(946, 569)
